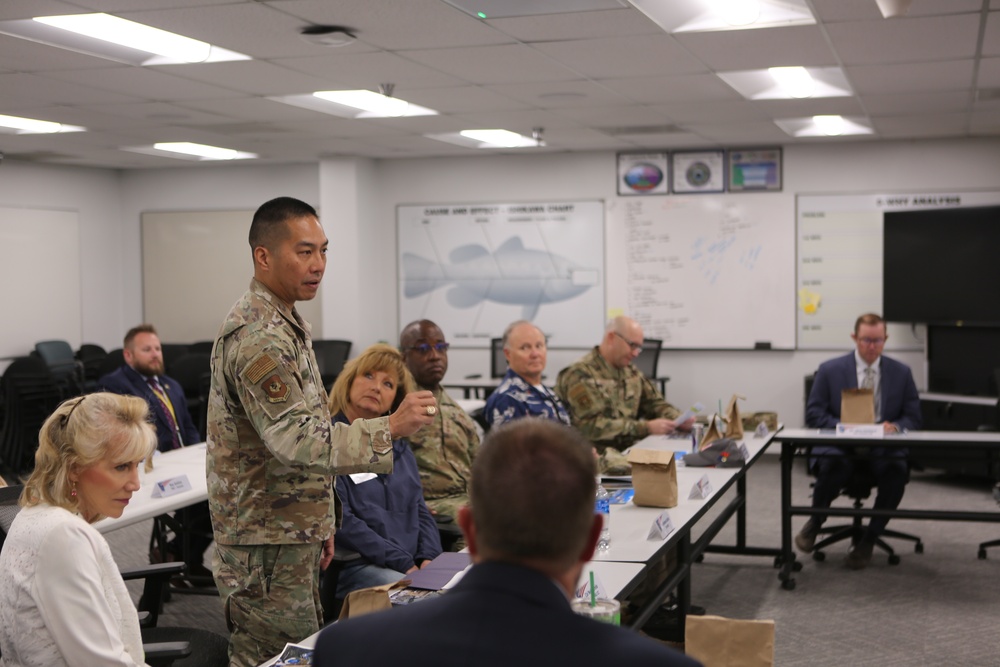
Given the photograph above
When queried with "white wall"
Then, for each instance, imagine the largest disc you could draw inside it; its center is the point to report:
(363, 212)
(96, 196)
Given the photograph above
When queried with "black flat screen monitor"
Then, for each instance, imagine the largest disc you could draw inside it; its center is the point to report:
(942, 266)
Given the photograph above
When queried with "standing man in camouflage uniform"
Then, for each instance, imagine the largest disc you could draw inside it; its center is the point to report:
(446, 448)
(272, 449)
(610, 400)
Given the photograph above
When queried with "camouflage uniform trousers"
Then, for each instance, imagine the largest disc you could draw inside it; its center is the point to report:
(449, 506)
(270, 596)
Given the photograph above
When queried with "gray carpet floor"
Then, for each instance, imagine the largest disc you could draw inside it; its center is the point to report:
(941, 607)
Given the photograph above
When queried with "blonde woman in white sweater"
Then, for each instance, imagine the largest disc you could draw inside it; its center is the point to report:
(62, 599)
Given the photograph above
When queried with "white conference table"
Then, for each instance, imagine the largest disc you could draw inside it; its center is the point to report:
(630, 524)
(796, 442)
(188, 461)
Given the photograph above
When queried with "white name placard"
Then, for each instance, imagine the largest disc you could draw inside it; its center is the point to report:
(662, 527)
(744, 452)
(583, 590)
(702, 488)
(860, 430)
(171, 487)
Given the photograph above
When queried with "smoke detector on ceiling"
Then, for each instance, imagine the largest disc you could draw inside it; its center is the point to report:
(327, 35)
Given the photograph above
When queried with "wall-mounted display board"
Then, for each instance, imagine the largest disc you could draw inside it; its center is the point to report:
(38, 302)
(195, 265)
(714, 272)
(475, 268)
(839, 261)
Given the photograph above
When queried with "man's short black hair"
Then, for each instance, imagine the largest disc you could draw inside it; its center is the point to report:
(268, 224)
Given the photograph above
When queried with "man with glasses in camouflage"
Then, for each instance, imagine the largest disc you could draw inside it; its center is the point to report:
(897, 408)
(610, 401)
(445, 448)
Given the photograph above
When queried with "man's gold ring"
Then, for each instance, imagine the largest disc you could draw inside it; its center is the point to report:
(431, 410)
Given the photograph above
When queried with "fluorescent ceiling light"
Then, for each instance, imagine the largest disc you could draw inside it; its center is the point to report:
(737, 12)
(795, 80)
(782, 83)
(118, 39)
(488, 139)
(824, 126)
(366, 100)
(355, 104)
(32, 126)
(190, 151)
(699, 15)
(831, 126)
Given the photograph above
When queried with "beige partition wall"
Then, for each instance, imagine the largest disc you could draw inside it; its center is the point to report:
(40, 275)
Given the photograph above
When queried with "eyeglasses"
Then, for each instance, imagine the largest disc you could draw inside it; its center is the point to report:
(425, 348)
(872, 341)
(632, 346)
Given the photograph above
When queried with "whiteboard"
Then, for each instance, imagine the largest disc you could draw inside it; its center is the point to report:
(40, 274)
(839, 262)
(475, 268)
(195, 265)
(704, 272)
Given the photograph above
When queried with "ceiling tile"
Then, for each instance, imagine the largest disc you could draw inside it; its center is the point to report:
(912, 78)
(495, 64)
(905, 40)
(581, 25)
(639, 55)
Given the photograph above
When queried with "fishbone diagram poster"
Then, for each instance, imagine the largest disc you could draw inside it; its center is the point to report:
(475, 268)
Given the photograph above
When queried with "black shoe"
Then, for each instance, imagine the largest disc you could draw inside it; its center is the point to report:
(664, 625)
(806, 539)
(860, 555)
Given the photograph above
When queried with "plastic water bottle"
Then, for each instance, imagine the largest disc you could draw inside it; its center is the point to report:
(603, 507)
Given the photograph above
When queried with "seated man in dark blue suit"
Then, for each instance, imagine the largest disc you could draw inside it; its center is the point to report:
(142, 376)
(897, 408)
(530, 529)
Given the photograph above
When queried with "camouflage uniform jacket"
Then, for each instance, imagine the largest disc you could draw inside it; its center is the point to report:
(445, 449)
(610, 406)
(272, 449)
(515, 398)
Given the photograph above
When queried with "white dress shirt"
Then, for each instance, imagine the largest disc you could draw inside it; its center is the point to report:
(62, 598)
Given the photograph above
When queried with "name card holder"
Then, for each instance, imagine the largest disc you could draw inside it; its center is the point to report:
(744, 452)
(860, 431)
(171, 487)
(600, 592)
(662, 527)
(702, 488)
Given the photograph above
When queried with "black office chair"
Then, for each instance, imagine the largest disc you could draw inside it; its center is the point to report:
(29, 395)
(649, 359)
(858, 488)
(112, 362)
(992, 543)
(92, 358)
(201, 347)
(331, 355)
(62, 363)
(498, 362)
(171, 353)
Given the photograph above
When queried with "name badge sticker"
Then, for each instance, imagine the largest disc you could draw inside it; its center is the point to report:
(662, 527)
(171, 487)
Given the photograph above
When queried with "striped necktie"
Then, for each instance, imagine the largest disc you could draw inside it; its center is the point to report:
(168, 409)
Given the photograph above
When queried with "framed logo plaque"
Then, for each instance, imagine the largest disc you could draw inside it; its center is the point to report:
(702, 171)
(642, 174)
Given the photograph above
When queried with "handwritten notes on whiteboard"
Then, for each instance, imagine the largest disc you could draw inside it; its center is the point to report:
(705, 272)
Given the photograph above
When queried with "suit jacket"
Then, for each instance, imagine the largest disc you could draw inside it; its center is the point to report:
(126, 380)
(500, 615)
(898, 393)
